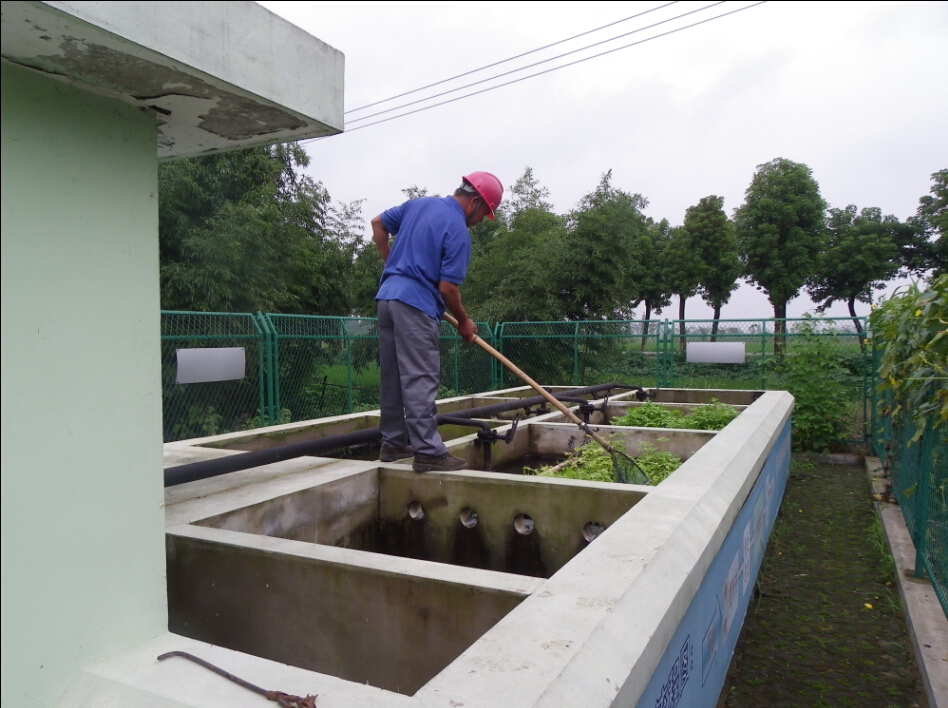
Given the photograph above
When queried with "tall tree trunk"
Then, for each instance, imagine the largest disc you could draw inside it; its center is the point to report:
(714, 325)
(681, 321)
(648, 317)
(852, 313)
(780, 328)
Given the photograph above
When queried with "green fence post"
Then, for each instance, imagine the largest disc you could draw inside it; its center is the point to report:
(499, 343)
(576, 354)
(263, 368)
(763, 354)
(348, 344)
(923, 499)
(275, 344)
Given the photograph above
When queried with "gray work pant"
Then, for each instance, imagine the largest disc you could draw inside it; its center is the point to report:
(409, 372)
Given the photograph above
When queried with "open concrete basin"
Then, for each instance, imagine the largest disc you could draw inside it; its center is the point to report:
(368, 584)
(303, 577)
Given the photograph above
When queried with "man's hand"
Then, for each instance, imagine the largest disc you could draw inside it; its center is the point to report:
(452, 299)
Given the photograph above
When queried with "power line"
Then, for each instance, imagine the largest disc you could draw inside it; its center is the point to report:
(504, 61)
(547, 71)
(538, 63)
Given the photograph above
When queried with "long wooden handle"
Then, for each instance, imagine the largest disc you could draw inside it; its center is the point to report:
(537, 387)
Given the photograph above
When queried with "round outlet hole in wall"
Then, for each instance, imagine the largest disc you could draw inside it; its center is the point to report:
(468, 518)
(592, 529)
(523, 524)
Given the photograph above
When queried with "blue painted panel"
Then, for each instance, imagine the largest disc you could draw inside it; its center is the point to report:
(691, 673)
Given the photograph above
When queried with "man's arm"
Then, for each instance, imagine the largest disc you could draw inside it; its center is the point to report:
(381, 236)
(451, 295)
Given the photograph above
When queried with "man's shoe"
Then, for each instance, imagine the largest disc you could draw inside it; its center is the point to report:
(441, 463)
(390, 453)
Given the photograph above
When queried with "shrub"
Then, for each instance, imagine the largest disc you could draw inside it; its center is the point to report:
(912, 328)
(713, 416)
(651, 415)
(591, 463)
(813, 373)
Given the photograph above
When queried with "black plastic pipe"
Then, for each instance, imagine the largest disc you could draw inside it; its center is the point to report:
(257, 458)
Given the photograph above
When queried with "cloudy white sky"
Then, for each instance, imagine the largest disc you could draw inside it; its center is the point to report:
(856, 91)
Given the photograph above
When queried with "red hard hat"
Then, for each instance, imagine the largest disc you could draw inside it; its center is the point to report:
(488, 187)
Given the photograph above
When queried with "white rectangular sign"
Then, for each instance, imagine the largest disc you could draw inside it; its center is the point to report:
(715, 352)
(203, 365)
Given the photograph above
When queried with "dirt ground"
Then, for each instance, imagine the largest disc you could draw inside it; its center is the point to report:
(825, 628)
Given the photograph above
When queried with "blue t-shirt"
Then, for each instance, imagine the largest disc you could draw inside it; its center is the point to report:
(433, 244)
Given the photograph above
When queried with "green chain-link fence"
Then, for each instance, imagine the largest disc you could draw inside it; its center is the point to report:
(466, 368)
(776, 351)
(298, 367)
(196, 409)
(583, 353)
(919, 473)
(308, 367)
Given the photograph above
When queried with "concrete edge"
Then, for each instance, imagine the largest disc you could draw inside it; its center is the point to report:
(360, 562)
(134, 677)
(924, 617)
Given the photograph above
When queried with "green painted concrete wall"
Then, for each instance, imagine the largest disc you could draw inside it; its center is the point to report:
(82, 523)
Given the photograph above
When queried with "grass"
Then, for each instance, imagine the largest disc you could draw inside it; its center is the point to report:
(812, 635)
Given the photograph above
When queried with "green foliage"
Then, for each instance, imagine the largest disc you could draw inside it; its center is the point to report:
(651, 415)
(604, 258)
(780, 230)
(534, 265)
(912, 328)
(244, 231)
(286, 416)
(591, 463)
(657, 463)
(712, 416)
(515, 259)
(714, 243)
(932, 216)
(201, 421)
(814, 374)
(860, 255)
(681, 268)
(652, 289)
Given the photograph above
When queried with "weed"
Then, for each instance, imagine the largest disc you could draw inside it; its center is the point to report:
(713, 416)
(590, 462)
(877, 538)
(816, 378)
(651, 415)
(657, 464)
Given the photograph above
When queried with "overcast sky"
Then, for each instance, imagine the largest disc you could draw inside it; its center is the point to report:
(855, 91)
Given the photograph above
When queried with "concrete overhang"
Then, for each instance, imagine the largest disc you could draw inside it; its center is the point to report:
(218, 75)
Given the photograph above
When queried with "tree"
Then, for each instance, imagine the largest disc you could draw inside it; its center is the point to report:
(682, 272)
(780, 230)
(604, 258)
(652, 288)
(715, 246)
(932, 217)
(860, 255)
(244, 231)
(515, 259)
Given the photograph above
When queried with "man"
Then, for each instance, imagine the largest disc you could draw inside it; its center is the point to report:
(424, 265)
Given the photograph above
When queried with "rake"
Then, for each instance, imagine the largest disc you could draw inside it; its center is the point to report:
(626, 469)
